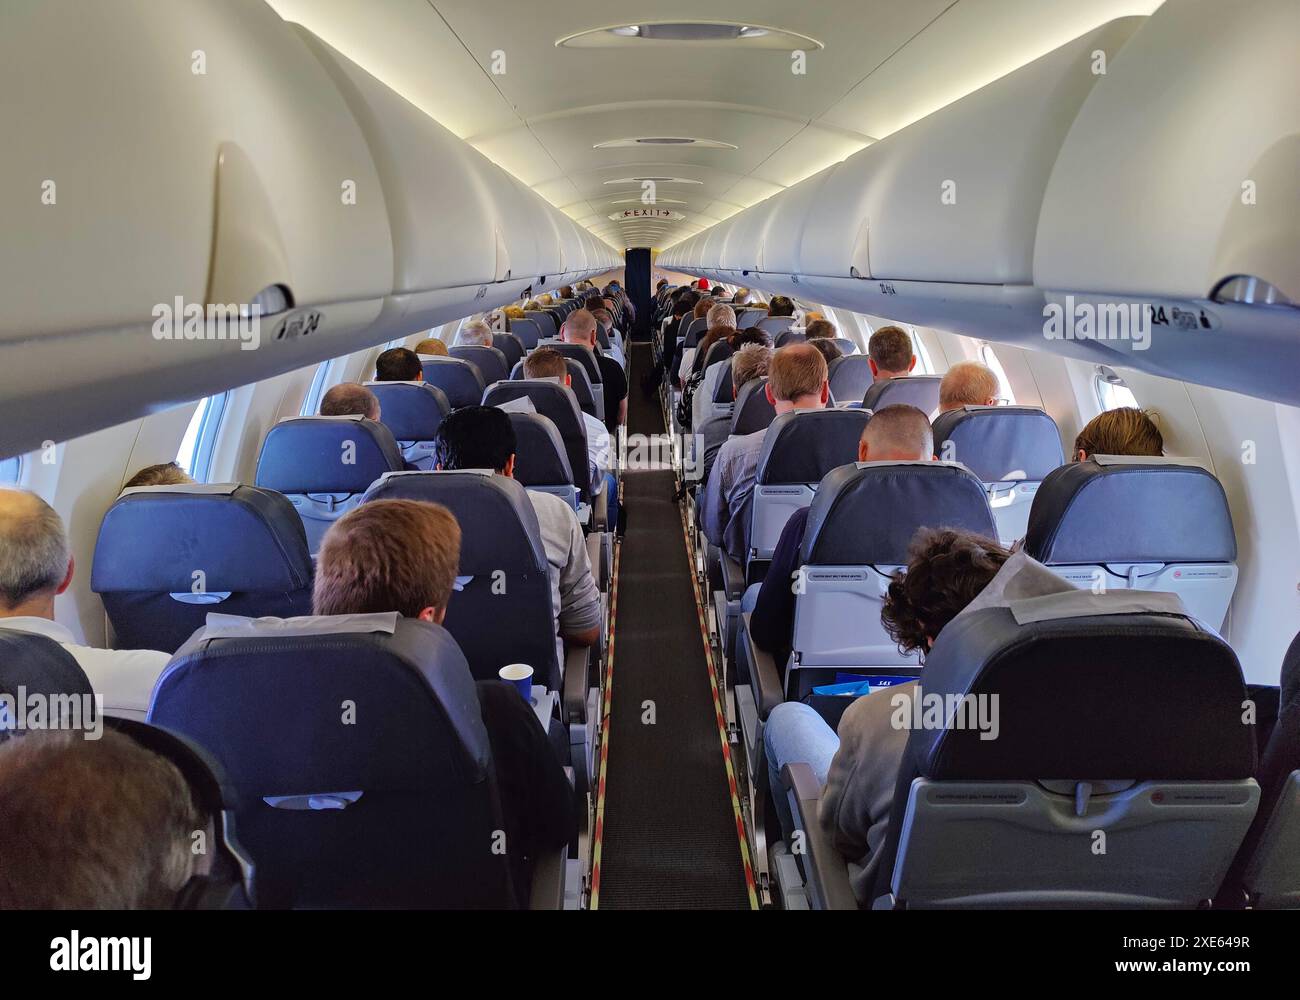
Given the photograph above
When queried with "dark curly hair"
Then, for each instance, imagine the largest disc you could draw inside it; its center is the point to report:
(946, 569)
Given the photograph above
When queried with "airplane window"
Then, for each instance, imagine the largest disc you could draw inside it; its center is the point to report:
(199, 442)
(923, 363)
(311, 402)
(10, 469)
(1112, 391)
(1005, 394)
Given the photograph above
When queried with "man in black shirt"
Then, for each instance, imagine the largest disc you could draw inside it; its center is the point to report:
(580, 328)
(402, 555)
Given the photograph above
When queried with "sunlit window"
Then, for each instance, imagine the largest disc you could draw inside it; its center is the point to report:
(1005, 394)
(200, 440)
(311, 402)
(10, 470)
(1112, 391)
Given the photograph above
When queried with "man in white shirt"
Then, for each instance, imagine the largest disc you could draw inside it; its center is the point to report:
(482, 437)
(35, 567)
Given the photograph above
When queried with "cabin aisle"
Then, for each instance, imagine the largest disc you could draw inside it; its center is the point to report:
(669, 835)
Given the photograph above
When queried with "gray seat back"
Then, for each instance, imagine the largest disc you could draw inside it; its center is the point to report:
(921, 391)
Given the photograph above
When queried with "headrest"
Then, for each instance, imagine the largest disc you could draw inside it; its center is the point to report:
(550, 398)
(753, 412)
(39, 665)
(1156, 510)
(921, 391)
(458, 378)
(724, 390)
(1136, 695)
(803, 445)
(411, 410)
(581, 354)
(416, 718)
(868, 513)
(326, 455)
(154, 541)
(540, 459)
(787, 337)
(1000, 443)
(498, 524)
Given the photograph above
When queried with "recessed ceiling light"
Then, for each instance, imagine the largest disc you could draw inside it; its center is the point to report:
(666, 140)
(657, 180)
(700, 34)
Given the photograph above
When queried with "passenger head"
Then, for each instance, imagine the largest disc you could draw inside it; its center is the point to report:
(967, 383)
(603, 316)
(397, 364)
(828, 349)
(741, 297)
(703, 306)
(566, 291)
(753, 335)
(722, 315)
(890, 353)
(946, 570)
(702, 284)
(35, 563)
(1123, 431)
(164, 474)
(475, 437)
(579, 328)
(349, 399)
(749, 362)
(546, 362)
(532, 305)
(898, 433)
(545, 300)
(514, 312)
(388, 555)
(796, 379)
(431, 347)
(686, 304)
(818, 329)
(93, 824)
(475, 333)
(781, 305)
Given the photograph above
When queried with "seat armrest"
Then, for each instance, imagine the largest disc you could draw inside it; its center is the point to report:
(595, 556)
(576, 659)
(547, 890)
(733, 576)
(599, 503)
(826, 874)
(764, 677)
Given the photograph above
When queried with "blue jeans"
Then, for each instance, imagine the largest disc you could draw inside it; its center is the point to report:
(611, 487)
(795, 733)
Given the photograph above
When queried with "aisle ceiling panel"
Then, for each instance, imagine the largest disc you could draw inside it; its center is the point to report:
(564, 114)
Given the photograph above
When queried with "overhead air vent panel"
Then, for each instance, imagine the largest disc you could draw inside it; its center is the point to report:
(700, 34)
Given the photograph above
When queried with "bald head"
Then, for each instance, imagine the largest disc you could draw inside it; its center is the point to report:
(349, 399)
(579, 328)
(968, 383)
(898, 433)
(34, 560)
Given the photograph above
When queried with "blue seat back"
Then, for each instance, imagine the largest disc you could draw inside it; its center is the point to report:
(558, 404)
(413, 411)
(168, 555)
(921, 391)
(526, 330)
(510, 346)
(753, 411)
(490, 362)
(355, 744)
(503, 570)
(541, 462)
(850, 377)
(461, 381)
(324, 464)
(37, 665)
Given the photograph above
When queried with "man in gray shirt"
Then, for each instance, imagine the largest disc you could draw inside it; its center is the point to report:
(482, 437)
(797, 380)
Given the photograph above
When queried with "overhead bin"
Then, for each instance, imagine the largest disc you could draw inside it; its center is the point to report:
(780, 242)
(146, 166)
(740, 252)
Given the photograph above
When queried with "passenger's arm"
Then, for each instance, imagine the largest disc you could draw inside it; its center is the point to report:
(714, 510)
(579, 595)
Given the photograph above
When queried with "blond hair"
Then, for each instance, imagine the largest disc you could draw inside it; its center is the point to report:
(967, 383)
(431, 346)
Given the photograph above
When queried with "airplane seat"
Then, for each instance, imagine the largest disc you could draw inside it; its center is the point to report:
(559, 404)
(490, 362)
(1010, 448)
(921, 391)
(1118, 773)
(1266, 873)
(748, 318)
(168, 555)
(775, 325)
(753, 410)
(541, 462)
(719, 350)
(602, 337)
(724, 392)
(547, 328)
(850, 376)
(39, 665)
(1138, 523)
(591, 368)
(324, 464)
(413, 411)
(461, 380)
(510, 346)
(696, 329)
(527, 332)
(579, 383)
(787, 337)
(847, 346)
(378, 789)
(799, 449)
